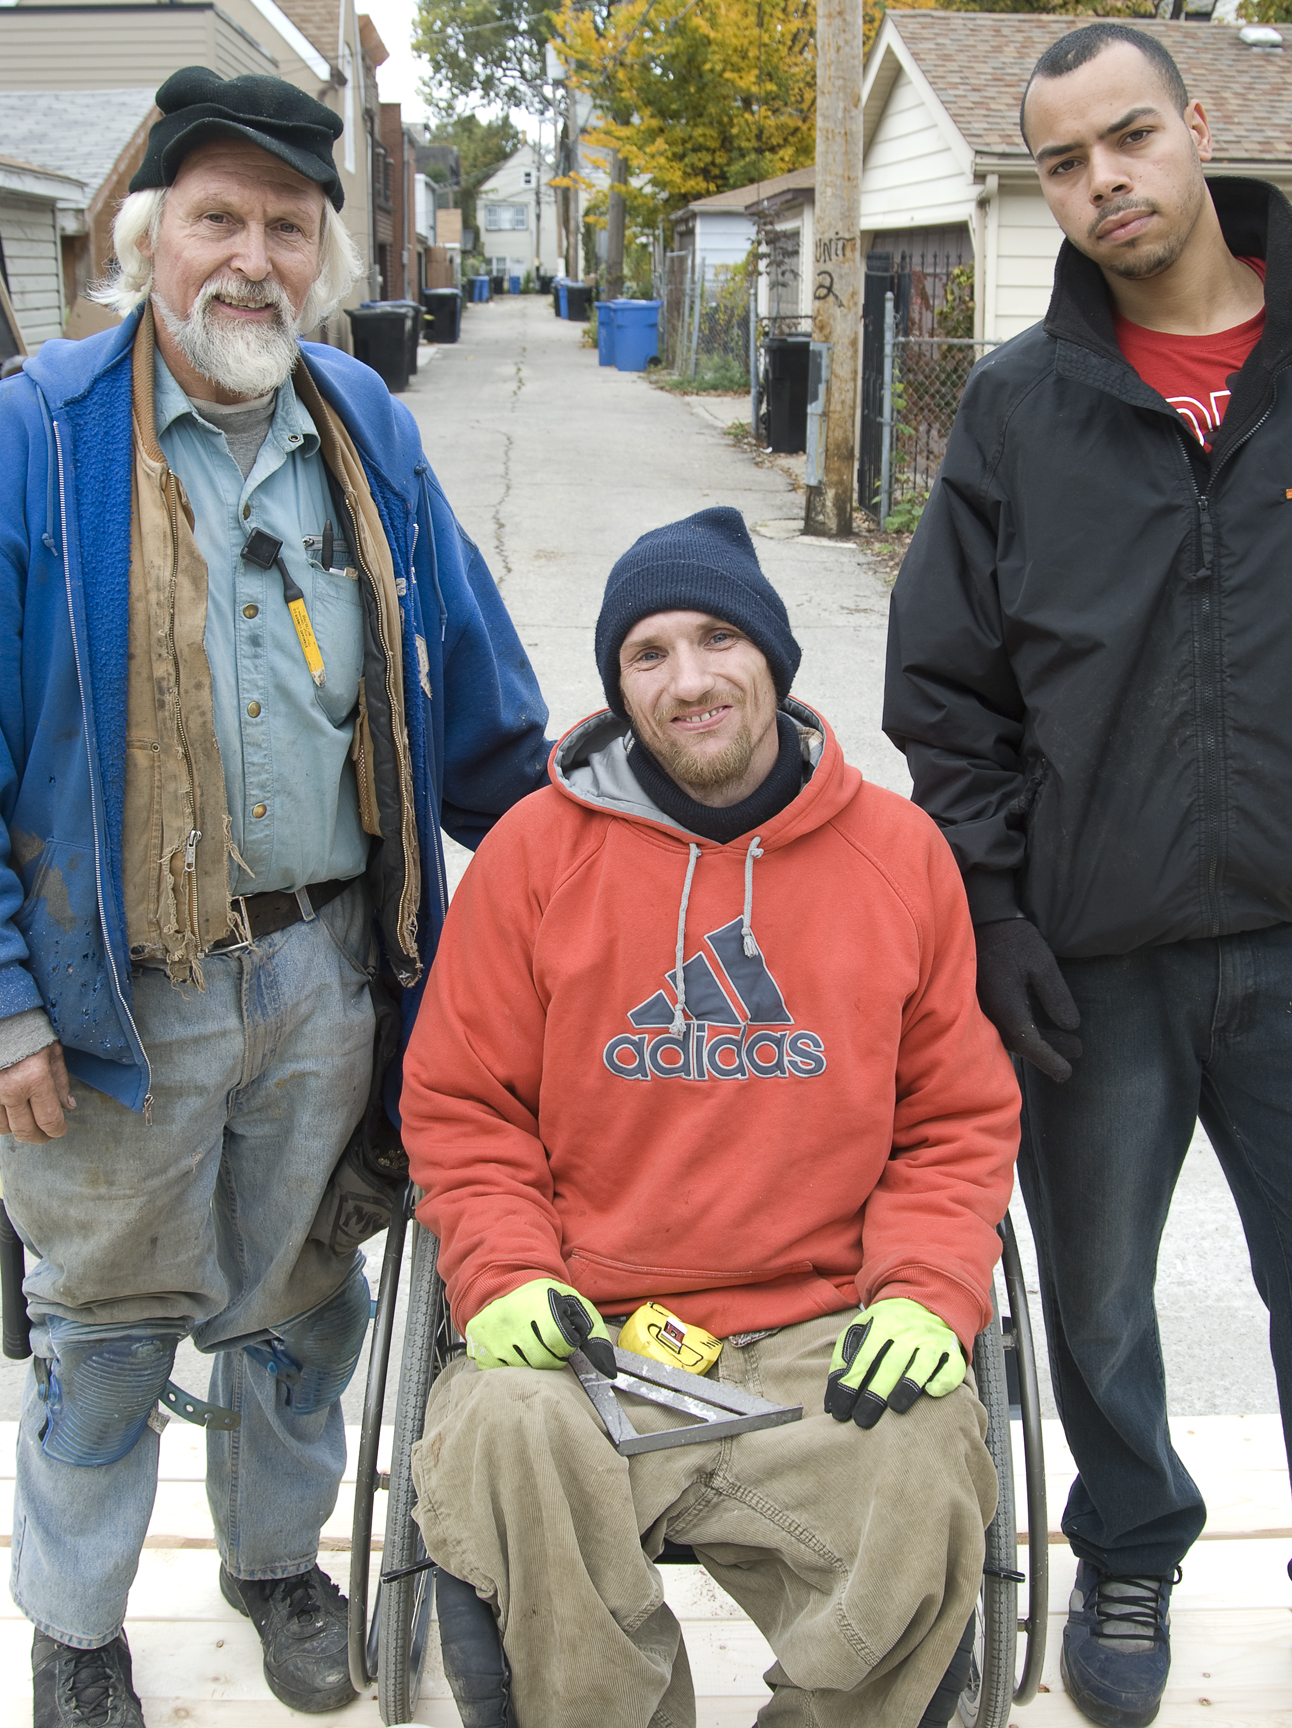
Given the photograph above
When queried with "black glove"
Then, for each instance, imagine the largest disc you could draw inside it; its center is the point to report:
(1015, 965)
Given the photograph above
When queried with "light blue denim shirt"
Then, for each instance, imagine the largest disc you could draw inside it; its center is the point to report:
(291, 788)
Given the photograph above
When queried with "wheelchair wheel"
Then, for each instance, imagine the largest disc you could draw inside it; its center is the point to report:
(1019, 1341)
(363, 1652)
(986, 1700)
(404, 1605)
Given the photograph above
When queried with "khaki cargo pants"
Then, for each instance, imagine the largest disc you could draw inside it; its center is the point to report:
(857, 1554)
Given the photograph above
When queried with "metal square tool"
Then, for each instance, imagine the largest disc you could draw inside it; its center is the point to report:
(719, 1410)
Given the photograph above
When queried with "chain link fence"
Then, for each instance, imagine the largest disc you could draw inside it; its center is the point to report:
(924, 379)
(706, 332)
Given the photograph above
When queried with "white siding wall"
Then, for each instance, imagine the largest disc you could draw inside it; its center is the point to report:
(29, 231)
(1028, 240)
(910, 175)
(722, 237)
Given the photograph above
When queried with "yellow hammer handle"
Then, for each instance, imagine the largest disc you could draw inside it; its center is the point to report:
(309, 647)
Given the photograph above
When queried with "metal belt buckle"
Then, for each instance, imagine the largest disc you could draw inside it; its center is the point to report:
(242, 926)
(720, 1410)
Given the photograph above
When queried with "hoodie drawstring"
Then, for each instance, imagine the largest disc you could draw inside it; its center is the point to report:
(746, 925)
(747, 920)
(679, 1012)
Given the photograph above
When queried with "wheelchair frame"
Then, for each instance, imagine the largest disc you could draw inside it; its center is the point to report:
(389, 1645)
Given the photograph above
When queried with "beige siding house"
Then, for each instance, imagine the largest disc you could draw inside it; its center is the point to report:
(945, 171)
(98, 47)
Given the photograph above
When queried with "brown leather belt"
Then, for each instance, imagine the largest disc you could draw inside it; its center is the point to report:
(263, 914)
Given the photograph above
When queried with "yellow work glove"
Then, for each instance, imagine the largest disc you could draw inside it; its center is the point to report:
(540, 1325)
(886, 1357)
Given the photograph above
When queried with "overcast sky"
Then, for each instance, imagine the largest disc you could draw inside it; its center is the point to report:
(398, 79)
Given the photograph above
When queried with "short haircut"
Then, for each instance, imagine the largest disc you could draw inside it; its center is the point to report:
(1080, 46)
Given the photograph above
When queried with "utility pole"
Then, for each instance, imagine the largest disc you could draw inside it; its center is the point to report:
(615, 229)
(836, 303)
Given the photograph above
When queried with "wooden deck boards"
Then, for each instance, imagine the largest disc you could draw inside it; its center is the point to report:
(197, 1663)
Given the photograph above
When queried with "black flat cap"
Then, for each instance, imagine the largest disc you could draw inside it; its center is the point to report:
(197, 107)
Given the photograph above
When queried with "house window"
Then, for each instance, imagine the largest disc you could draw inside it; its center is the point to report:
(529, 178)
(499, 216)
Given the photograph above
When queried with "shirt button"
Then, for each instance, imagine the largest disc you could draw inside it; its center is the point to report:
(246, 511)
(259, 809)
(250, 611)
(253, 708)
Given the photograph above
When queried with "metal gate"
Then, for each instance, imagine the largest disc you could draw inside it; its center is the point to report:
(911, 384)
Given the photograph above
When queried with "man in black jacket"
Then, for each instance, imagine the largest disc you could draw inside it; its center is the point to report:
(1088, 673)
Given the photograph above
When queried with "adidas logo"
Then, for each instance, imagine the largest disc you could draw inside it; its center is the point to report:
(737, 1026)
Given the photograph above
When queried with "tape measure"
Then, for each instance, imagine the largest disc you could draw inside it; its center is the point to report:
(653, 1331)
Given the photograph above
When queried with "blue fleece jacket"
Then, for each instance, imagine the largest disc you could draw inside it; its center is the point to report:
(477, 741)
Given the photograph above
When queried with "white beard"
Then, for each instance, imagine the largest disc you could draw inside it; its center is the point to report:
(246, 359)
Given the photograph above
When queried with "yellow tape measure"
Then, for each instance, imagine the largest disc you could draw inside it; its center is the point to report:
(655, 1332)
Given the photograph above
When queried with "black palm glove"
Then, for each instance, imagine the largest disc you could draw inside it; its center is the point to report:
(1014, 966)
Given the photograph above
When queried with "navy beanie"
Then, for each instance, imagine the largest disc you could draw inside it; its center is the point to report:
(705, 563)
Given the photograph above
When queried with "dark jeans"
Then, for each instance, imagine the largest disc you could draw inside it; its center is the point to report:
(1172, 1034)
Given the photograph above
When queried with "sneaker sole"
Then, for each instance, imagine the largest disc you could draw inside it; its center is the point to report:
(311, 1703)
(1108, 1716)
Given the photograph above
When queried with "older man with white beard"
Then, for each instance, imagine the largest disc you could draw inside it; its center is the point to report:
(249, 664)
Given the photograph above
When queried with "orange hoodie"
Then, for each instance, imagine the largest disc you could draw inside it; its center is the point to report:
(825, 1117)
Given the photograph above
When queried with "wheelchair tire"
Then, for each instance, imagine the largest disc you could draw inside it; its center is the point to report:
(986, 1701)
(362, 1639)
(404, 1604)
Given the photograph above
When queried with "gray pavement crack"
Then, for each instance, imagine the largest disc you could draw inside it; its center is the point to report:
(499, 518)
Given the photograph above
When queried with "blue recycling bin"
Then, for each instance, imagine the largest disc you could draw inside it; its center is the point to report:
(563, 295)
(513, 284)
(606, 332)
(480, 288)
(636, 333)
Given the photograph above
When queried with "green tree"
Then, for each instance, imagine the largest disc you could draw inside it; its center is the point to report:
(695, 95)
(483, 53)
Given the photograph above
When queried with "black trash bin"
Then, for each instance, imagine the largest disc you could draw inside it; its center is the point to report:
(498, 285)
(413, 335)
(787, 393)
(382, 338)
(443, 313)
(578, 297)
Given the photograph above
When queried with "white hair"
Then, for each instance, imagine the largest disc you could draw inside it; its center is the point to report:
(131, 282)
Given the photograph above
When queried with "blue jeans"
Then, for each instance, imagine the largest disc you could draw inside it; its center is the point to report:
(197, 1224)
(1174, 1034)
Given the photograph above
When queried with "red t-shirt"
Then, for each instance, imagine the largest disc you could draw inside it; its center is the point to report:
(1192, 372)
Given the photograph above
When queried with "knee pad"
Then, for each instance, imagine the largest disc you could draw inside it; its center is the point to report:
(99, 1388)
(314, 1356)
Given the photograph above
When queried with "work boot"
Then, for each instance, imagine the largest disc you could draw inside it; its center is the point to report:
(83, 1688)
(302, 1627)
(1117, 1647)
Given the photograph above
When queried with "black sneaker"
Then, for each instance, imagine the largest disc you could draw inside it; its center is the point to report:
(303, 1630)
(83, 1688)
(1117, 1647)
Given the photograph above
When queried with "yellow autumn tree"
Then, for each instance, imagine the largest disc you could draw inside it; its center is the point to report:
(696, 96)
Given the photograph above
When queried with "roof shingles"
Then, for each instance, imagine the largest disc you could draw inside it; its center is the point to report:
(979, 62)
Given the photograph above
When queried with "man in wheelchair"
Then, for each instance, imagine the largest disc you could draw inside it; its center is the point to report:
(703, 1031)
